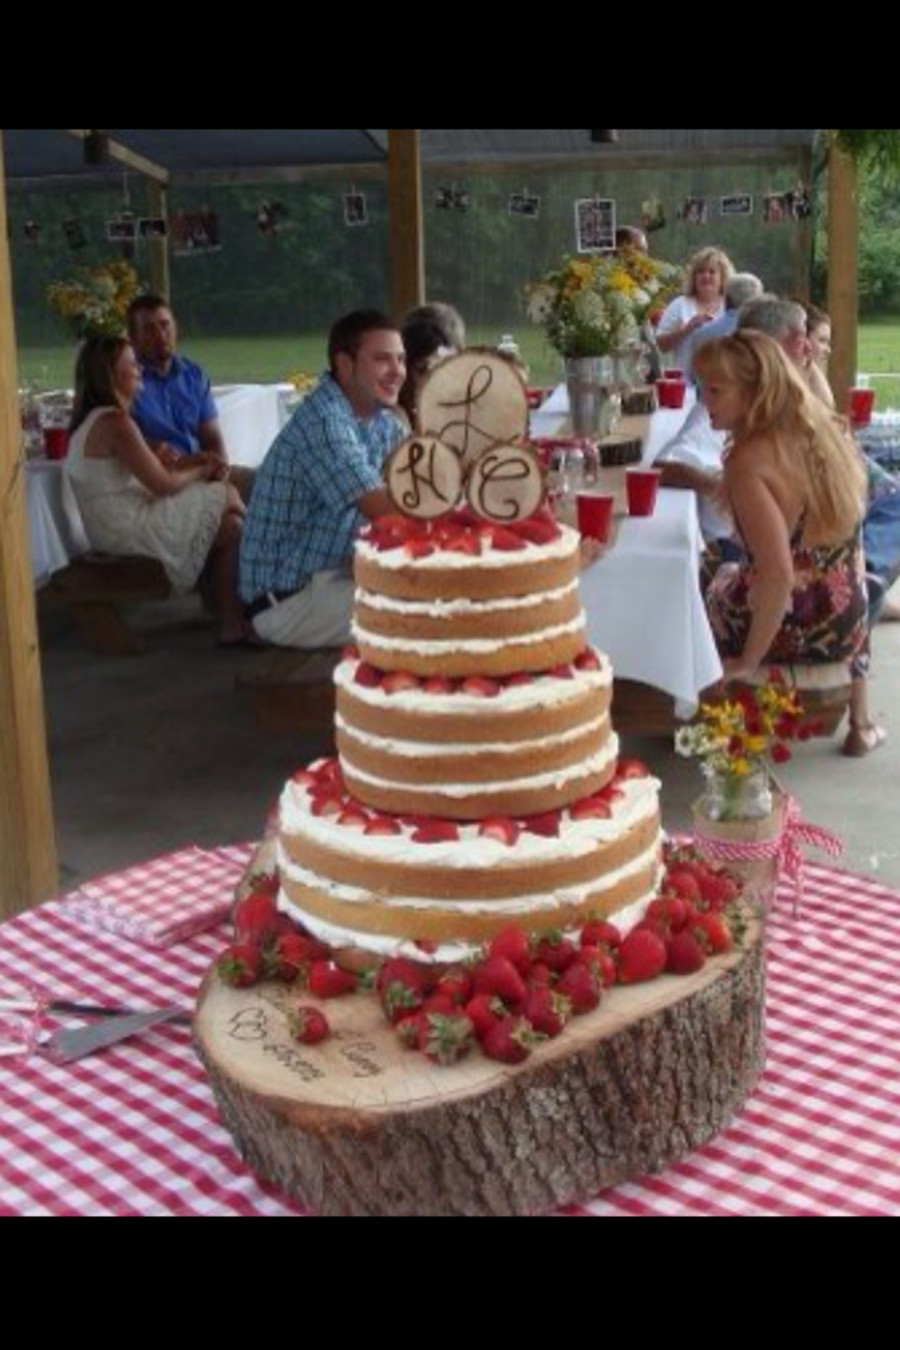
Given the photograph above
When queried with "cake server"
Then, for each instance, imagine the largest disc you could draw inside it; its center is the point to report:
(73, 1043)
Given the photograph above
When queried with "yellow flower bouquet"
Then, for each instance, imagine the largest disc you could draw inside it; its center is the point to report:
(94, 301)
(591, 306)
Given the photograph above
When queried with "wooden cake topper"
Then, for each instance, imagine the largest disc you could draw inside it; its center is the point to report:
(472, 400)
(424, 477)
(505, 483)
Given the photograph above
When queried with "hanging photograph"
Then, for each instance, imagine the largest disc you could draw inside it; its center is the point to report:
(451, 199)
(694, 211)
(355, 209)
(777, 207)
(194, 232)
(74, 232)
(524, 204)
(121, 229)
(31, 230)
(268, 216)
(595, 225)
(801, 202)
(153, 227)
(653, 214)
(737, 204)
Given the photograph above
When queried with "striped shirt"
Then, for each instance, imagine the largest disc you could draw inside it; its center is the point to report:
(303, 514)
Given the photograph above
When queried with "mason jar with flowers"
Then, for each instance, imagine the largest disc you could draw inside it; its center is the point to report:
(94, 302)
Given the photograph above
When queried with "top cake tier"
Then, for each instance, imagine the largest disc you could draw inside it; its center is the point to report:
(458, 598)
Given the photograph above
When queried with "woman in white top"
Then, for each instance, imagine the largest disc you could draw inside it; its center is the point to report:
(132, 503)
(704, 299)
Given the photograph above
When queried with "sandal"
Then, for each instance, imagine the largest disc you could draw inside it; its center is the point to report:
(862, 740)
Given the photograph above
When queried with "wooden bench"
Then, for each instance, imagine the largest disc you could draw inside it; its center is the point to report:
(93, 587)
(291, 690)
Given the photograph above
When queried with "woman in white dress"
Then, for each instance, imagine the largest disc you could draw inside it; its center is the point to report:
(132, 503)
(704, 299)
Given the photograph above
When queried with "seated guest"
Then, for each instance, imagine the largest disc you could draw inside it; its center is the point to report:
(446, 318)
(739, 290)
(174, 408)
(425, 343)
(133, 503)
(795, 486)
(320, 481)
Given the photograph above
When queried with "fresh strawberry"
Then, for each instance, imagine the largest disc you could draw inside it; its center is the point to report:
(590, 808)
(304, 778)
(455, 984)
(326, 803)
(600, 961)
(587, 659)
(547, 1011)
(463, 541)
(484, 1011)
(399, 680)
(438, 684)
(255, 918)
(504, 540)
(497, 975)
(308, 1025)
(712, 932)
(536, 531)
(419, 548)
(288, 954)
(327, 980)
(717, 889)
(402, 986)
(546, 824)
(440, 1003)
(671, 911)
(408, 1027)
(503, 829)
(539, 974)
(445, 1038)
(642, 956)
(514, 945)
(350, 652)
(480, 686)
(379, 824)
(563, 672)
(354, 818)
(678, 881)
(436, 832)
(580, 984)
(510, 1041)
(685, 955)
(368, 676)
(239, 965)
(600, 933)
(519, 677)
(632, 768)
(556, 951)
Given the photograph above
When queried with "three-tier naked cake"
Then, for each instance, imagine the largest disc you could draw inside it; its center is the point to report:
(478, 780)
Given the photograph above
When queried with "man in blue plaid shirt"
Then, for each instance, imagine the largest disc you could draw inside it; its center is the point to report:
(320, 481)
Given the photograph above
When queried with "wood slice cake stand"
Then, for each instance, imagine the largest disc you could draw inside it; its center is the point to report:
(358, 1125)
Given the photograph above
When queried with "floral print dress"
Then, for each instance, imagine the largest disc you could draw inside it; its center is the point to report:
(827, 620)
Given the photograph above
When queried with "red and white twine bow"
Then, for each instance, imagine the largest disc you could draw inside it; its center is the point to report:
(784, 847)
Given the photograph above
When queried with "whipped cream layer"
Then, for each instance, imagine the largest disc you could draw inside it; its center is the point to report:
(542, 692)
(444, 749)
(465, 646)
(396, 559)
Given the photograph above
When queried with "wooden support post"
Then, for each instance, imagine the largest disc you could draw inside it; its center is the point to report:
(843, 227)
(407, 243)
(158, 249)
(28, 872)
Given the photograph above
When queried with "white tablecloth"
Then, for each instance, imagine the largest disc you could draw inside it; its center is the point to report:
(54, 522)
(642, 599)
(250, 417)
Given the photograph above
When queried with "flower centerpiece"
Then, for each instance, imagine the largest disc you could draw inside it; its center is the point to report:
(94, 301)
(737, 741)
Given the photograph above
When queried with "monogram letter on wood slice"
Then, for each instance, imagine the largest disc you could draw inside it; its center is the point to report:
(505, 484)
(424, 477)
(472, 401)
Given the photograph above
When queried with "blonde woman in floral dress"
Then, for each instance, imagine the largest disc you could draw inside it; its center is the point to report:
(795, 485)
(131, 504)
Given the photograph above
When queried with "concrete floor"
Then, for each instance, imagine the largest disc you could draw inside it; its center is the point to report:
(154, 752)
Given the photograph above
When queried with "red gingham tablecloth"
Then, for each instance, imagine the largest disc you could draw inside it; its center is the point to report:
(134, 1130)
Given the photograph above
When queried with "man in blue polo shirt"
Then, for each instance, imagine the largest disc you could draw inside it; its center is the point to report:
(174, 408)
(320, 481)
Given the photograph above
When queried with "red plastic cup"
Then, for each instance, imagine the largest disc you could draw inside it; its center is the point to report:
(56, 442)
(862, 401)
(595, 513)
(641, 487)
(671, 393)
(673, 373)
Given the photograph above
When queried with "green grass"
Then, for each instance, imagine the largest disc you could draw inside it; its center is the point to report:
(266, 360)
